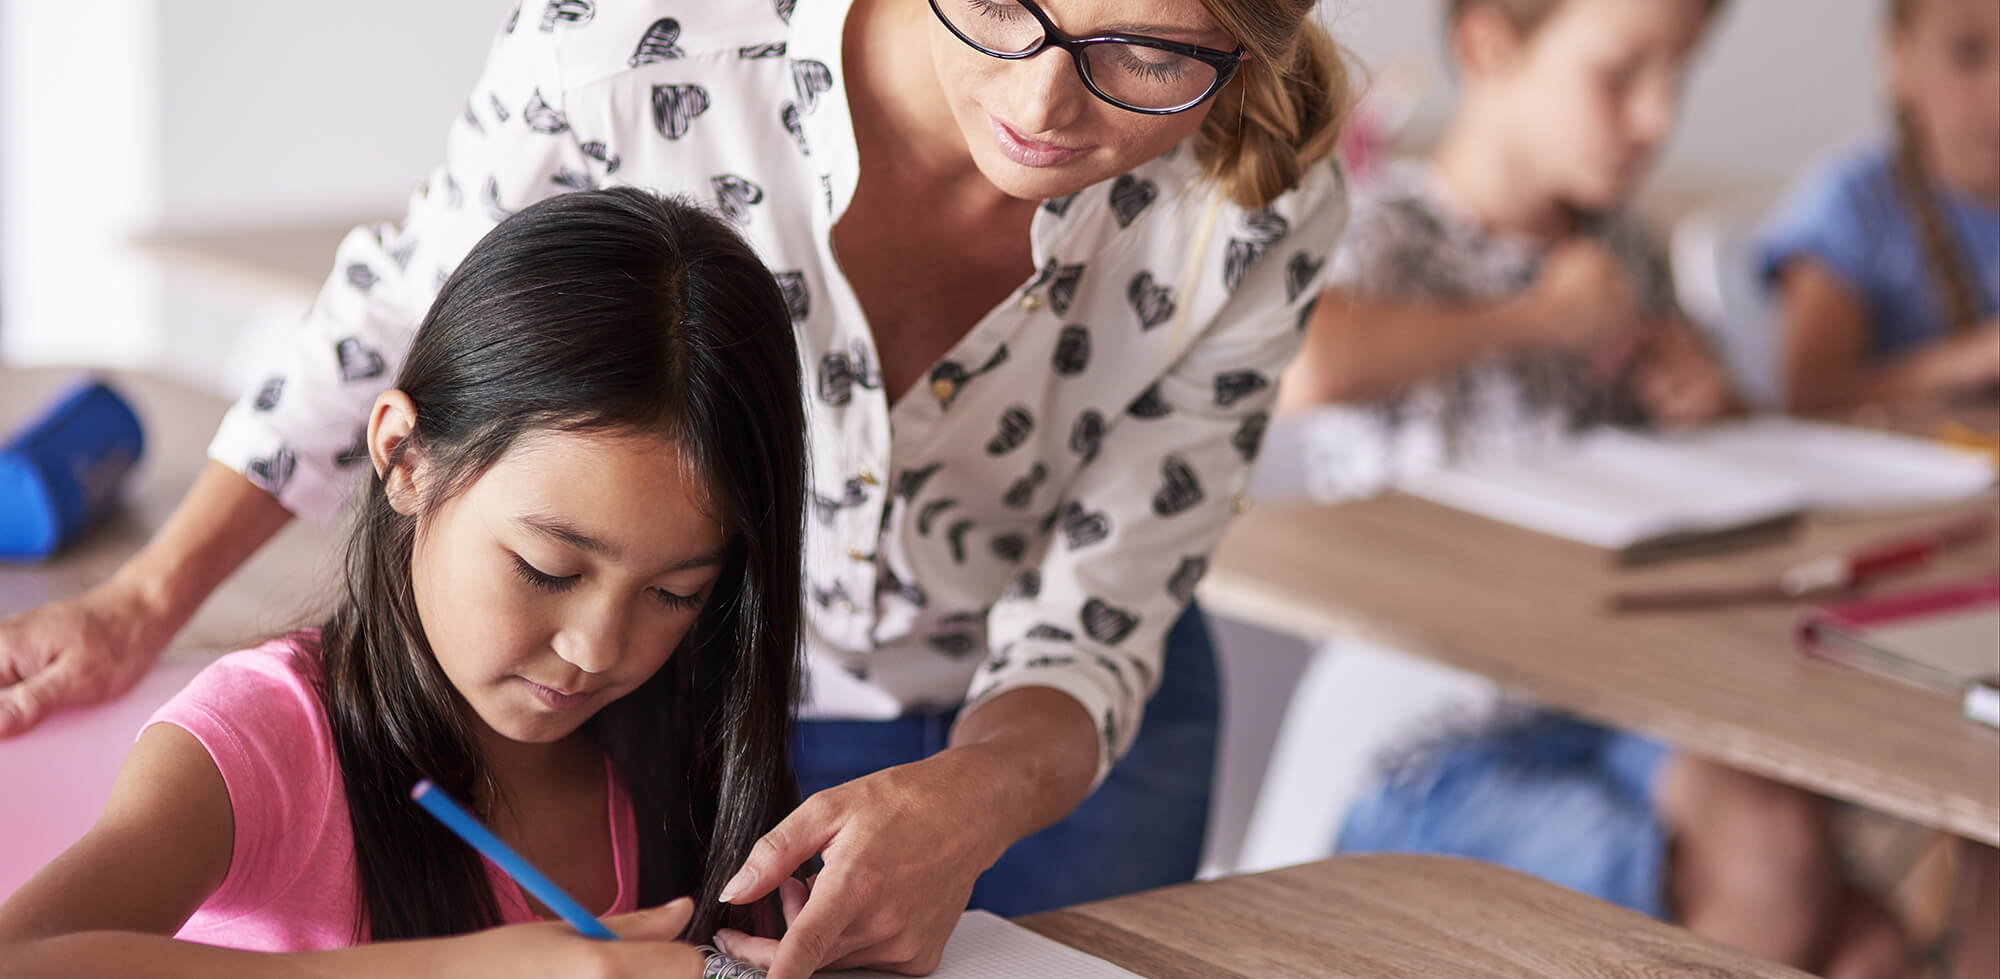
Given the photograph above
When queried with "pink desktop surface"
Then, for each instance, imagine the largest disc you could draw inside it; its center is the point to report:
(55, 779)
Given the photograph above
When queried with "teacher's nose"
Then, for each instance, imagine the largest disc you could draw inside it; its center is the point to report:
(1044, 93)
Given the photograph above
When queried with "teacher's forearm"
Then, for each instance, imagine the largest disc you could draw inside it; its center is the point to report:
(223, 519)
(1039, 746)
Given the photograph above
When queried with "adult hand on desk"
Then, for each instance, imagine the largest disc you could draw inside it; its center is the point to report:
(96, 646)
(903, 846)
(76, 651)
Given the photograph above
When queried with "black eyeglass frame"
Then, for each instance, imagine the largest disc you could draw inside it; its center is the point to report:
(1225, 63)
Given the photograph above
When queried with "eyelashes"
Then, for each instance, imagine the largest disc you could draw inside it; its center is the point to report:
(543, 581)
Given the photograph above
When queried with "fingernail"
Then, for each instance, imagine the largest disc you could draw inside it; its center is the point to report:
(741, 882)
(722, 942)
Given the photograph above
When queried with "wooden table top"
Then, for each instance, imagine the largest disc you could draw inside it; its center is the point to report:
(1526, 610)
(282, 587)
(1385, 916)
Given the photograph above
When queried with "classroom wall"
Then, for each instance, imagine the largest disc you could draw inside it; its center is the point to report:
(146, 116)
(1780, 83)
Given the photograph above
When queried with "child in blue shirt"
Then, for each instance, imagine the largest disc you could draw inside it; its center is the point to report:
(1886, 263)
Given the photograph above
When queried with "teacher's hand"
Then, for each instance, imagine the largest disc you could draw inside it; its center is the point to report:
(902, 849)
(74, 652)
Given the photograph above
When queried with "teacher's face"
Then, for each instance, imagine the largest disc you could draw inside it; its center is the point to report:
(1033, 129)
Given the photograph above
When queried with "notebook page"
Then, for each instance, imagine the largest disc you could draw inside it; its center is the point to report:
(1965, 644)
(985, 946)
(1844, 467)
(1612, 489)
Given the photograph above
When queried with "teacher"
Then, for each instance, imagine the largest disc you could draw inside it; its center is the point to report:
(1046, 261)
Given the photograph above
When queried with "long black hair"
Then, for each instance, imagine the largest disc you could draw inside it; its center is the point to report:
(613, 310)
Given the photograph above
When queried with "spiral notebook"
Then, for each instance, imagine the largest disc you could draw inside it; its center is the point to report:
(983, 946)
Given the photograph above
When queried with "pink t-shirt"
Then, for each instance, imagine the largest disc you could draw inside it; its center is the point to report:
(292, 884)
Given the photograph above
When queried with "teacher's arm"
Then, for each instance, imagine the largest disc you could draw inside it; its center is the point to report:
(291, 445)
(1077, 646)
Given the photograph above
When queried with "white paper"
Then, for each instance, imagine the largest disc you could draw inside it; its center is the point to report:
(1613, 489)
(986, 946)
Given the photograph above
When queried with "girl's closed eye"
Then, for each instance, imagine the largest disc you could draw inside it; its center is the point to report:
(542, 579)
(678, 602)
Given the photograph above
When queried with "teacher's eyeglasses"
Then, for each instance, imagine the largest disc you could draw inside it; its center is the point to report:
(1139, 74)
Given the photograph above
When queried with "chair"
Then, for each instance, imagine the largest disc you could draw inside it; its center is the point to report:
(1714, 259)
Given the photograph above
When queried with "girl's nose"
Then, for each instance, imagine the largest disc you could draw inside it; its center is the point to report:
(595, 640)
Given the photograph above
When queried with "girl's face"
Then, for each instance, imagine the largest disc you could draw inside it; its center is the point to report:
(1592, 93)
(565, 576)
(1944, 68)
(1033, 129)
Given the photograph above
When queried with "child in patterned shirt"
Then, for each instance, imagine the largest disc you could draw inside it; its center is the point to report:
(1493, 300)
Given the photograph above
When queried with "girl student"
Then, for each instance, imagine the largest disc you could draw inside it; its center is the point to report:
(1496, 298)
(571, 600)
(1045, 260)
(1886, 262)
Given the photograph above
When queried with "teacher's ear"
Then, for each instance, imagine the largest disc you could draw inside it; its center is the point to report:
(391, 423)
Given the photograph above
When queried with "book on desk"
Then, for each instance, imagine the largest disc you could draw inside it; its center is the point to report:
(1646, 498)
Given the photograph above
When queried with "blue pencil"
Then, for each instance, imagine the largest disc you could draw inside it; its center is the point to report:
(524, 873)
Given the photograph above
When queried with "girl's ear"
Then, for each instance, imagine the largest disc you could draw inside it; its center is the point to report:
(1484, 42)
(390, 425)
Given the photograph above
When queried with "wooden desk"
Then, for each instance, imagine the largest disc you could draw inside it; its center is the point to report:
(283, 587)
(1385, 916)
(1526, 610)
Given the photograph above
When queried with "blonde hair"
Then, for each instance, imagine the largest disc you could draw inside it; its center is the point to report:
(1282, 113)
(1523, 15)
(1944, 254)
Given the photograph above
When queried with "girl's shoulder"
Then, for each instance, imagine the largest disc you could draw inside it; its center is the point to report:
(1855, 188)
(258, 713)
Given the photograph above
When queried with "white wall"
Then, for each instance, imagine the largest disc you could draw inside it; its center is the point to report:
(1780, 83)
(283, 109)
(151, 115)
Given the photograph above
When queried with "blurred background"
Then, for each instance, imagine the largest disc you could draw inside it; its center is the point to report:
(174, 173)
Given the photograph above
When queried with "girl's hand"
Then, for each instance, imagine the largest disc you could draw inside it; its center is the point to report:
(902, 846)
(1581, 297)
(1679, 382)
(646, 946)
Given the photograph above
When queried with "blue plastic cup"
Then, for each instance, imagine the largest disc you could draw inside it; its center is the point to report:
(60, 471)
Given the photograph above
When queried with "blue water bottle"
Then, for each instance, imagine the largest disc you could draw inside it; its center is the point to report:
(61, 469)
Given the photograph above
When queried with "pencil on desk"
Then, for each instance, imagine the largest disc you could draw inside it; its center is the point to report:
(456, 819)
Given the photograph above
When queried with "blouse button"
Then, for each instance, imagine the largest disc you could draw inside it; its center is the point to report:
(867, 477)
(943, 388)
(856, 554)
(845, 606)
(1031, 302)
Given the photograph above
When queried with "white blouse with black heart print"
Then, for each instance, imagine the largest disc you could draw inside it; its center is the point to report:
(1035, 512)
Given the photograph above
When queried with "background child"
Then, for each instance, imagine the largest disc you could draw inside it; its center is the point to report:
(1495, 299)
(1886, 262)
(572, 600)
